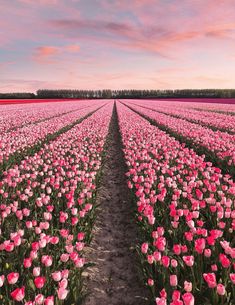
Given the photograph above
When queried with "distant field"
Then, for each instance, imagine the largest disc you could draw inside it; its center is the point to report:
(29, 101)
(166, 166)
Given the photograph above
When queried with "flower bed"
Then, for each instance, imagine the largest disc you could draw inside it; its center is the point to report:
(220, 144)
(185, 208)
(47, 212)
(22, 138)
(215, 121)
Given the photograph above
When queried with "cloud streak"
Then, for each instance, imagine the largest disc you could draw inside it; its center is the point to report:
(159, 40)
(50, 53)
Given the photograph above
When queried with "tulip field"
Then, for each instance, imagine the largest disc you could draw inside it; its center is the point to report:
(180, 172)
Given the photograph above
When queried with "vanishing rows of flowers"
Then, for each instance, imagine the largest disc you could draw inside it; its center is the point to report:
(220, 143)
(214, 120)
(214, 107)
(186, 212)
(23, 137)
(15, 116)
(46, 215)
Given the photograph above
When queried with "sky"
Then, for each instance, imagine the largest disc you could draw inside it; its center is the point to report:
(116, 44)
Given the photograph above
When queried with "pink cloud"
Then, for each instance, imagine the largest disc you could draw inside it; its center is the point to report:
(47, 51)
(73, 48)
(41, 2)
(45, 54)
(49, 54)
(154, 39)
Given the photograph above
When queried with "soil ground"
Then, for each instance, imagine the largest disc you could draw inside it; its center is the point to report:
(114, 278)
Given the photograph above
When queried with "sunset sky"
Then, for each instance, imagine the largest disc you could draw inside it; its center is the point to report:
(95, 44)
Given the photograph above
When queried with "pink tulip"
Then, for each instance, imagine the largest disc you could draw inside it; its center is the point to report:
(173, 280)
(220, 289)
(187, 286)
(188, 298)
(18, 294)
(39, 299)
(36, 271)
(27, 262)
(232, 277)
(200, 245)
(47, 260)
(161, 301)
(62, 293)
(49, 300)
(207, 252)
(2, 279)
(144, 248)
(39, 281)
(224, 260)
(150, 282)
(176, 295)
(64, 257)
(210, 278)
(56, 276)
(177, 249)
(166, 261)
(12, 277)
(174, 263)
(188, 260)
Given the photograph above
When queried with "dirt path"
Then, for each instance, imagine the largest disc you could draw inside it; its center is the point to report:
(114, 279)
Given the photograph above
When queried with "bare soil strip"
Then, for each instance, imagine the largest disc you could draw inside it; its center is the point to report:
(114, 278)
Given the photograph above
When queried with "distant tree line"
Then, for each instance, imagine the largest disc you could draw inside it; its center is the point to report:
(186, 93)
(107, 93)
(17, 95)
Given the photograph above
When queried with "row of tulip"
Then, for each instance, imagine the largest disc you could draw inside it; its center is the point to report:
(17, 140)
(221, 144)
(46, 216)
(217, 107)
(186, 212)
(215, 121)
(15, 116)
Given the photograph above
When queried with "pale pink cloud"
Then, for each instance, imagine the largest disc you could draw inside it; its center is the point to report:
(47, 51)
(73, 48)
(45, 54)
(41, 2)
(49, 54)
(154, 39)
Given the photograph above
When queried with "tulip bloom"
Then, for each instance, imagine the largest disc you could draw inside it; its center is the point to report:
(187, 286)
(18, 294)
(62, 293)
(57, 276)
(12, 277)
(49, 300)
(224, 260)
(188, 298)
(173, 280)
(220, 289)
(188, 260)
(161, 301)
(232, 277)
(39, 281)
(2, 279)
(210, 278)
